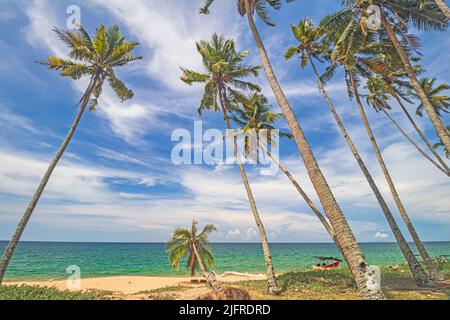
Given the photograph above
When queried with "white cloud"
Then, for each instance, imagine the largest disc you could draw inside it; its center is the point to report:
(381, 235)
(9, 119)
(250, 234)
(232, 234)
(168, 30)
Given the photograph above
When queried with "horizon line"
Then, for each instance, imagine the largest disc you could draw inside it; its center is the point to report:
(162, 242)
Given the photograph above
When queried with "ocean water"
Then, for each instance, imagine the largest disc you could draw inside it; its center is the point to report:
(49, 260)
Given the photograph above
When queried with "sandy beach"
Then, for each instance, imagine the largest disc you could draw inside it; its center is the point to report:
(135, 286)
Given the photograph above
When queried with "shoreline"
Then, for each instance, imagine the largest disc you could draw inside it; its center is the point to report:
(129, 285)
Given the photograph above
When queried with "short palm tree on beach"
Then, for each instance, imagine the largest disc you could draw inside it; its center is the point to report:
(95, 58)
(224, 78)
(187, 242)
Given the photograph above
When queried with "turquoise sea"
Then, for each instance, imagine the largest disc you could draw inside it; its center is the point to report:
(49, 260)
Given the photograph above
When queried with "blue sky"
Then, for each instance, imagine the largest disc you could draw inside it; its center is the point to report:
(117, 181)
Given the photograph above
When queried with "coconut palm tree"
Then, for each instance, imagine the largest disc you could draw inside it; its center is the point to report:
(388, 69)
(224, 78)
(252, 115)
(395, 17)
(443, 7)
(440, 3)
(440, 103)
(95, 58)
(186, 242)
(344, 235)
(347, 53)
(378, 97)
(312, 47)
(440, 144)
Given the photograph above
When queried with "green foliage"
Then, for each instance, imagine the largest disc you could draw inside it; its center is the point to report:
(252, 116)
(440, 103)
(225, 72)
(261, 7)
(40, 293)
(182, 244)
(96, 58)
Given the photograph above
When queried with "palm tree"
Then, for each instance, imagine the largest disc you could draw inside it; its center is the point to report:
(311, 48)
(344, 235)
(395, 17)
(225, 76)
(346, 52)
(389, 75)
(95, 58)
(440, 3)
(196, 246)
(440, 144)
(252, 114)
(440, 103)
(378, 98)
(443, 7)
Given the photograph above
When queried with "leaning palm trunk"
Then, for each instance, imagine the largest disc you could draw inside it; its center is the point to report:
(37, 195)
(302, 192)
(210, 278)
(273, 288)
(417, 271)
(422, 136)
(423, 252)
(443, 7)
(432, 114)
(422, 152)
(352, 252)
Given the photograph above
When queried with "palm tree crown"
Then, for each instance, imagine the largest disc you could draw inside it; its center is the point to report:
(261, 7)
(224, 72)
(440, 103)
(182, 243)
(310, 42)
(95, 57)
(253, 116)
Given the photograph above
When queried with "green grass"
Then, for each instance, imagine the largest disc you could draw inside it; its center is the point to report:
(39, 293)
(165, 290)
(329, 284)
(397, 283)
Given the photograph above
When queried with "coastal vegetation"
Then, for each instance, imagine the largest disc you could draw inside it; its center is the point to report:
(95, 58)
(381, 68)
(334, 284)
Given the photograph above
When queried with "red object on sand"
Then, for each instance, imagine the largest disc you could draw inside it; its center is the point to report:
(333, 265)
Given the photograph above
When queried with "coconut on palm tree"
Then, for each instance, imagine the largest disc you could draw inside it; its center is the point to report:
(312, 47)
(224, 77)
(344, 235)
(93, 58)
(188, 242)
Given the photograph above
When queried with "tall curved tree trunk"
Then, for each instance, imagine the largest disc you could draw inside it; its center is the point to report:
(432, 114)
(210, 278)
(38, 193)
(418, 148)
(271, 277)
(419, 244)
(422, 136)
(443, 7)
(364, 279)
(419, 275)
